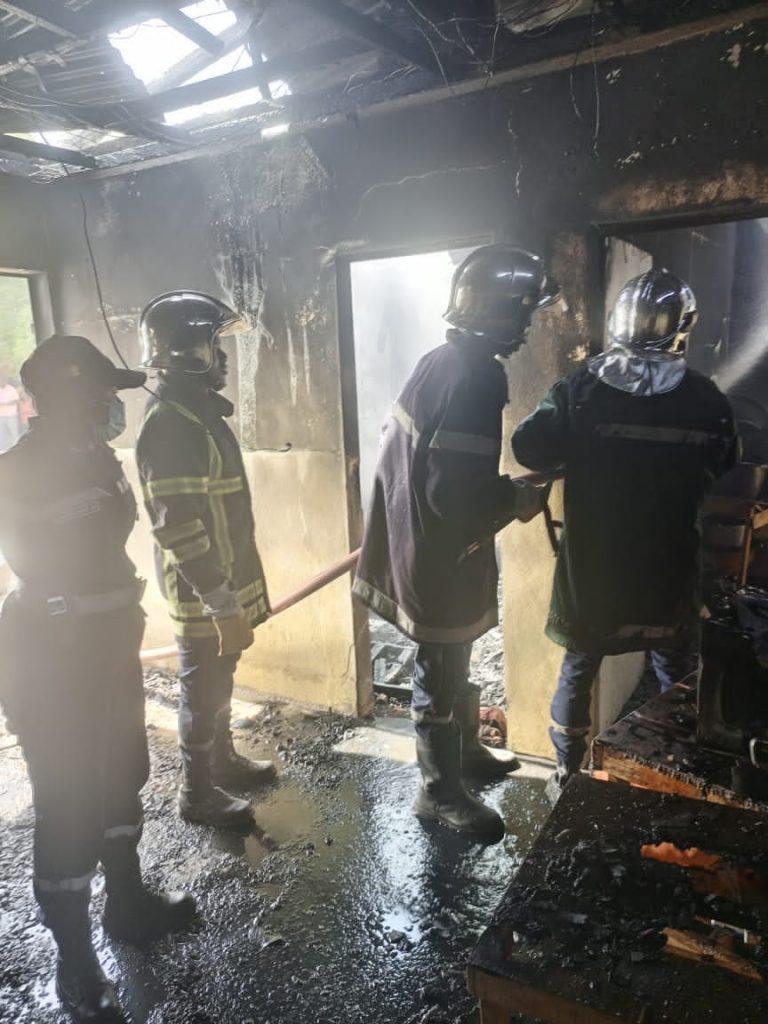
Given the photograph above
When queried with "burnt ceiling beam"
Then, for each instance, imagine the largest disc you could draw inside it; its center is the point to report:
(199, 60)
(190, 95)
(379, 35)
(45, 14)
(100, 16)
(193, 30)
(39, 150)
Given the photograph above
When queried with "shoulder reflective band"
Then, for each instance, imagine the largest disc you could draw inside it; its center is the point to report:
(659, 435)
(467, 444)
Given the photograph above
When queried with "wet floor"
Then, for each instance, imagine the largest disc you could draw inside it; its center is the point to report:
(338, 907)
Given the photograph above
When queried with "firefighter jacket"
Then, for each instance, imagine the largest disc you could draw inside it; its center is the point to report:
(199, 503)
(65, 515)
(636, 472)
(437, 493)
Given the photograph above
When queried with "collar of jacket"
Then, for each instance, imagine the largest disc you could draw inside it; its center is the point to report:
(638, 375)
(207, 405)
(462, 343)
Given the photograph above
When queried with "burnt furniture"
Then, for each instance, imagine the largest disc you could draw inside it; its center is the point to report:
(604, 923)
(656, 747)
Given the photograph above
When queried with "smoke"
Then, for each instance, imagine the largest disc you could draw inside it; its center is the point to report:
(753, 349)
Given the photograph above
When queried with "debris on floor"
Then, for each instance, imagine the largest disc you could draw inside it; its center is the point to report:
(339, 906)
(392, 655)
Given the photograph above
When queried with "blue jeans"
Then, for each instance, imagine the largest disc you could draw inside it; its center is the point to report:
(207, 681)
(571, 720)
(440, 672)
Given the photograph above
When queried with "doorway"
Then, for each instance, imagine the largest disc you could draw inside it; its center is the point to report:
(17, 339)
(397, 317)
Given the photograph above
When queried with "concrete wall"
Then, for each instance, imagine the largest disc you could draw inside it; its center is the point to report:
(271, 227)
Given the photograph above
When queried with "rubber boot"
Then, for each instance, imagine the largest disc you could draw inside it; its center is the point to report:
(477, 760)
(557, 782)
(132, 912)
(85, 992)
(442, 796)
(203, 803)
(228, 768)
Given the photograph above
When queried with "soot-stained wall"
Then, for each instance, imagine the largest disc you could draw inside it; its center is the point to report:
(677, 132)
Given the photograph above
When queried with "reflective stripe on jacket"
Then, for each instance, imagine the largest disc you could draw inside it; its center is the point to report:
(197, 496)
(637, 469)
(438, 491)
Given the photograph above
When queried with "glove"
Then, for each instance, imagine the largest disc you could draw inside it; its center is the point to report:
(232, 625)
(529, 502)
(235, 633)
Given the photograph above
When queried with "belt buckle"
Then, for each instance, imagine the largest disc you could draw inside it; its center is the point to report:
(57, 606)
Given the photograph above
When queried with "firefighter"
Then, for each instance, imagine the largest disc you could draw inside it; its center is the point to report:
(640, 437)
(199, 502)
(428, 561)
(70, 635)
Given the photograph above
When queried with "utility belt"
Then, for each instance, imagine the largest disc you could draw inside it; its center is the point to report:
(81, 604)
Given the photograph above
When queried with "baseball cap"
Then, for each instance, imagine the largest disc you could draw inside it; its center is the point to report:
(63, 358)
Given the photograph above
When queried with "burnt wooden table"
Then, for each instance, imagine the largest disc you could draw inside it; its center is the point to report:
(655, 747)
(579, 936)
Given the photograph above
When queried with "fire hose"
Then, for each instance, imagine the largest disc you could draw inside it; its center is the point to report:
(338, 569)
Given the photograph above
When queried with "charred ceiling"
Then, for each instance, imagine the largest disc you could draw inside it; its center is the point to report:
(88, 85)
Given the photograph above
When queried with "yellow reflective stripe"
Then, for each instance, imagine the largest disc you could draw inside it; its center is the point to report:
(171, 486)
(221, 537)
(251, 592)
(227, 485)
(192, 549)
(170, 535)
(164, 404)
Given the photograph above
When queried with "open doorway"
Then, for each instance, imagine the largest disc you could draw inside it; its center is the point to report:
(397, 316)
(17, 339)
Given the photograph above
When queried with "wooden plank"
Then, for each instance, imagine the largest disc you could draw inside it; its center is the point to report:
(99, 16)
(225, 85)
(52, 17)
(194, 31)
(492, 1014)
(57, 154)
(516, 997)
(655, 748)
(690, 946)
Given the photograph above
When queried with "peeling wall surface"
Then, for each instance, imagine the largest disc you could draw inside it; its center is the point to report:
(543, 162)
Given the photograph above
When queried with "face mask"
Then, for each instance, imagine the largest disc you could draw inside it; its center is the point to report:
(117, 423)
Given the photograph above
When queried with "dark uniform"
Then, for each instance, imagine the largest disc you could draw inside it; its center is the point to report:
(199, 502)
(71, 686)
(641, 439)
(437, 492)
(428, 559)
(71, 633)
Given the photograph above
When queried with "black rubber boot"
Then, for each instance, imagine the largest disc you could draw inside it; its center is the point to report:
(133, 913)
(442, 796)
(477, 760)
(205, 804)
(228, 768)
(85, 992)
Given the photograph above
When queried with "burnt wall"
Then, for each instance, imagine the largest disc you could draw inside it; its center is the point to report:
(549, 162)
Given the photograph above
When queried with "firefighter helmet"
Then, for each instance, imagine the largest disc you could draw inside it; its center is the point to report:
(496, 290)
(654, 312)
(178, 330)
